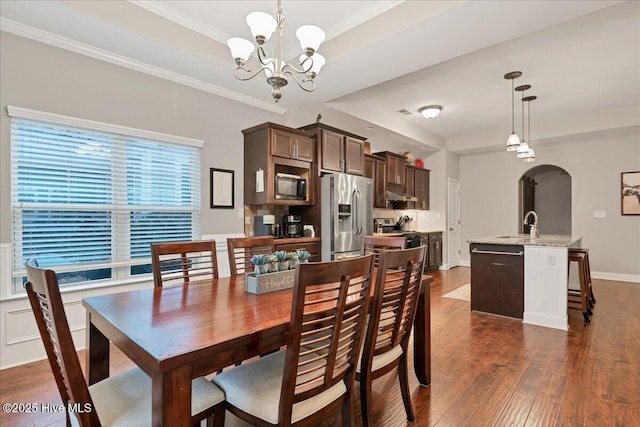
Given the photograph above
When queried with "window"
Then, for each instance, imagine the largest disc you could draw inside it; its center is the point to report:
(89, 199)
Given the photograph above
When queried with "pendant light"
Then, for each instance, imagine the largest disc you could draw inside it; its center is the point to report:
(523, 149)
(513, 141)
(531, 155)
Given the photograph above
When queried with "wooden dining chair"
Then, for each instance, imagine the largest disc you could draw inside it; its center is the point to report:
(376, 244)
(241, 249)
(124, 399)
(391, 317)
(314, 376)
(180, 263)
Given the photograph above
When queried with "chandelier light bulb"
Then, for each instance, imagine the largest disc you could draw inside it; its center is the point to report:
(262, 26)
(241, 49)
(310, 38)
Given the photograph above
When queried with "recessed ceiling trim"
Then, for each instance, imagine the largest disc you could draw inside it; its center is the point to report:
(361, 17)
(46, 37)
(182, 19)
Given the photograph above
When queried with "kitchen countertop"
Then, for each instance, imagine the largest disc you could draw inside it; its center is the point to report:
(287, 240)
(524, 239)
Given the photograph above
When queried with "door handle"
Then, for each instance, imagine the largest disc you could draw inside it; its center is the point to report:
(450, 228)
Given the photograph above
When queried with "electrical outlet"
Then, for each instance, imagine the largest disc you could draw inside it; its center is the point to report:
(551, 259)
(599, 214)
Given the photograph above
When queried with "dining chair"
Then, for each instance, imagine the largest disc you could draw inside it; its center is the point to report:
(241, 249)
(179, 263)
(376, 244)
(124, 399)
(314, 376)
(396, 293)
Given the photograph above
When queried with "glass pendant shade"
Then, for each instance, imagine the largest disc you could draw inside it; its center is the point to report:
(523, 150)
(531, 156)
(261, 24)
(310, 37)
(513, 142)
(318, 62)
(240, 48)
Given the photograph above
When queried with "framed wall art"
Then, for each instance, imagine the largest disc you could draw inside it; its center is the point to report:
(221, 193)
(630, 191)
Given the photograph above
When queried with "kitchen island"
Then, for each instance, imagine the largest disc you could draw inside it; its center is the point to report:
(523, 277)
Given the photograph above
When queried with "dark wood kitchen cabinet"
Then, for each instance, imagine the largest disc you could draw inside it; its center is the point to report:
(290, 145)
(376, 169)
(396, 163)
(417, 185)
(270, 149)
(497, 279)
(433, 242)
(338, 150)
(312, 245)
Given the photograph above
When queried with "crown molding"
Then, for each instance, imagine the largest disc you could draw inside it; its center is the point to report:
(361, 17)
(36, 34)
(182, 19)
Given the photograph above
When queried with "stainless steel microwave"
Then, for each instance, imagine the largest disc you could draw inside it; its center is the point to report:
(290, 187)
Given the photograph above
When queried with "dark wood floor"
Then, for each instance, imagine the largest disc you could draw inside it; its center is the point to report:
(487, 370)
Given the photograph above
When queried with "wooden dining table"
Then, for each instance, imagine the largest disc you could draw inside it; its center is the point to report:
(179, 333)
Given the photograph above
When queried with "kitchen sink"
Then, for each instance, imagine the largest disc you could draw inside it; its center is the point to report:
(509, 237)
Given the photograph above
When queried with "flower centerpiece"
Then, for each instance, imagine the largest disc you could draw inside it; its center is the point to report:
(303, 255)
(272, 261)
(293, 260)
(260, 263)
(283, 260)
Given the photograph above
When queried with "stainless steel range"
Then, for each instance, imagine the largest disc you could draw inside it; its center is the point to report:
(393, 227)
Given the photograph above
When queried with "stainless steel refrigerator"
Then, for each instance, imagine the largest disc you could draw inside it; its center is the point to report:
(347, 215)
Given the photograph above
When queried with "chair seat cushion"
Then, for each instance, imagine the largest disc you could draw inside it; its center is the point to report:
(255, 389)
(382, 360)
(125, 399)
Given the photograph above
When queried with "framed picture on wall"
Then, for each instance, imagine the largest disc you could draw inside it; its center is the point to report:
(221, 193)
(630, 188)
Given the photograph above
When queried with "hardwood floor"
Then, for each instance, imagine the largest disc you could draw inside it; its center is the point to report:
(486, 370)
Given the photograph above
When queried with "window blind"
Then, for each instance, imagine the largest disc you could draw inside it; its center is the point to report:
(89, 203)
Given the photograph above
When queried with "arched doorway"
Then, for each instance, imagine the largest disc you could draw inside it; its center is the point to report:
(546, 189)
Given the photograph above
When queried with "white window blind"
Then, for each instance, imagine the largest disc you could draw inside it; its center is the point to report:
(89, 203)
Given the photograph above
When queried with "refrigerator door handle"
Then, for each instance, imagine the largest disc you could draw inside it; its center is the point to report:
(360, 197)
(354, 215)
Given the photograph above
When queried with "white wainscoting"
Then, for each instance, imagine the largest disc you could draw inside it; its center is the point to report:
(20, 341)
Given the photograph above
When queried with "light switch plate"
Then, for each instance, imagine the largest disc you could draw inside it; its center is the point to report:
(599, 214)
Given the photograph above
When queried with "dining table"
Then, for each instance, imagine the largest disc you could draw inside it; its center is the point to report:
(175, 334)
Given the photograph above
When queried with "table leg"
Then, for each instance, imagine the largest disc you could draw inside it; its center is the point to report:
(171, 397)
(97, 354)
(422, 335)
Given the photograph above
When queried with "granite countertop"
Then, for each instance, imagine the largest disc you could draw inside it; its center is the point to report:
(524, 239)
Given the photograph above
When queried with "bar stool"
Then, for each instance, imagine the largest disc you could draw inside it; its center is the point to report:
(581, 297)
(592, 299)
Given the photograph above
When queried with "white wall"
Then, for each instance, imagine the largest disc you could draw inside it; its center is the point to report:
(489, 201)
(41, 77)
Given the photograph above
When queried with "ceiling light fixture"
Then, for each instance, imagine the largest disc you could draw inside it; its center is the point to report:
(531, 155)
(513, 141)
(262, 26)
(523, 149)
(430, 111)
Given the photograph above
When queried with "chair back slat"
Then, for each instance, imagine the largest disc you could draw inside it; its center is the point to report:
(180, 263)
(46, 303)
(376, 244)
(330, 301)
(241, 249)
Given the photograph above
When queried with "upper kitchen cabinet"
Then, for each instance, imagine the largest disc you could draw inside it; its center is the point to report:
(396, 174)
(290, 145)
(417, 185)
(338, 150)
(278, 165)
(376, 169)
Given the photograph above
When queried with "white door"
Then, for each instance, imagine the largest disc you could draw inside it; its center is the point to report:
(453, 222)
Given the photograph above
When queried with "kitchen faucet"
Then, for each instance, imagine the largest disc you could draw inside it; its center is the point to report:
(533, 230)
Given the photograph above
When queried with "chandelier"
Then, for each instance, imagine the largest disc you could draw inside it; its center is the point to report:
(277, 70)
(522, 148)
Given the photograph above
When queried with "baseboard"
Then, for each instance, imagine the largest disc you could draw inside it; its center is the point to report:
(633, 278)
(465, 263)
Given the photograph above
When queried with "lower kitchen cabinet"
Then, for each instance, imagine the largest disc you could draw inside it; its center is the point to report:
(312, 246)
(433, 241)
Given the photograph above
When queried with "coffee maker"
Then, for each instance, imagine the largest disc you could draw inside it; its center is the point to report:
(292, 225)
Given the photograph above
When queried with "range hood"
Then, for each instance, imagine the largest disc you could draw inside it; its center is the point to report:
(397, 198)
